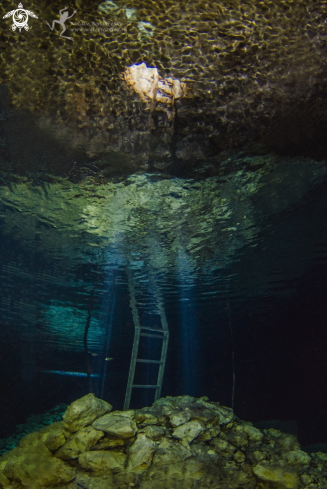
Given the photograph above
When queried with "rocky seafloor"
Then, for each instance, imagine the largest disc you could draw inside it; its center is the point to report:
(177, 442)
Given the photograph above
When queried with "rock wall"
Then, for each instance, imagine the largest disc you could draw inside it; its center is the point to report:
(179, 442)
(244, 64)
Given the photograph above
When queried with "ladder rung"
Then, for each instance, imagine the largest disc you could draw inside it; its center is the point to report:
(149, 335)
(146, 386)
(153, 329)
(143, 360)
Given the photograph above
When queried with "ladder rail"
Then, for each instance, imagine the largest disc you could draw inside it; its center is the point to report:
(162, 367)
(136, 342)
(132, 367)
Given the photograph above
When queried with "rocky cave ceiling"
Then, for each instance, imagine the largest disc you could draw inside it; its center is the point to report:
(230, 75)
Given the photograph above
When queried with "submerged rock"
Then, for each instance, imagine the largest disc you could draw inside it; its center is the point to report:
(282, 476)
(116, 424)
(79, 442)
(141, 453)
(189, 431)
(84, 411)
(178, 443)
(102, 460)
(34, 467)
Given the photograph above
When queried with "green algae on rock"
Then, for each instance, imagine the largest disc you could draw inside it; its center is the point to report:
(160, 454)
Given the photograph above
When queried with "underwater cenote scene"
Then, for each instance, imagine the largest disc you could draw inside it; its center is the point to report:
(163, 244)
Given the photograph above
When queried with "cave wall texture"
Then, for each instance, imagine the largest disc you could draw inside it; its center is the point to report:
(253, 71)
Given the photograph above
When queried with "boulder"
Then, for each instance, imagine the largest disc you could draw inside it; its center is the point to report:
(84, 411)
(209, 434)
(108, 442)
(180, 417)
(149, 416)
(141, 454)
(154, 432)
(253, 433)
(239, 456)
(79, 442)
(176, 475)
(224, 414)
(102, 460)
(189, 431)
(285, 477)
(4, 481)
(54, 437)
(35, 470)
(117, 425)
(297, 457)
(169, 452)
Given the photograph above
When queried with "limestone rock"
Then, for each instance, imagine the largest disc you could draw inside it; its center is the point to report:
(34, 471)
(180, 417)
(230, 64)
(285, 477)
(102, 460)
(209, 434)
(274, 433)
(108, 442)
(54, 439)
(130, 413)
(189, 431)
(147, 83)
(149, 416)
(171, 451)
(239, 456)
(141, 454)
(154, 432)
(117, 425)
(165, 406)
(224, 454)
(175, 475)
(32, 441)
(4, 482)
(288, 442)
(207, 416)
(84, 411)
(297, 457)
(224, 414)
(306, 479)
(258, 456)
(93, 480)
(223, 446)
(79, 442)
(253, 433)
(237, 438)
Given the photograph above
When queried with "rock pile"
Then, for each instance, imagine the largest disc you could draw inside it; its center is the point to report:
(179, 442)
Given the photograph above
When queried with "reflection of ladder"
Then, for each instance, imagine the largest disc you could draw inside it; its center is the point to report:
(142, 331)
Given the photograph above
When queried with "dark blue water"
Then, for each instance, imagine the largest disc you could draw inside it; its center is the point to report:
(250, 334)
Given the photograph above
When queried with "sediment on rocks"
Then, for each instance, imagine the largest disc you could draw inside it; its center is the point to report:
(178, 442)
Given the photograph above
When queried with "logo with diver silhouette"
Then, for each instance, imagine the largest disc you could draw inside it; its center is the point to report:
(20, 18)
(63, 17)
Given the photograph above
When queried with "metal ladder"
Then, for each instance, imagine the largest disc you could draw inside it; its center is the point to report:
(142, 331)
